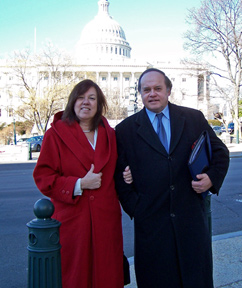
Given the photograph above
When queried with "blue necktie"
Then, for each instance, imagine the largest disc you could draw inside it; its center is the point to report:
(161, 131)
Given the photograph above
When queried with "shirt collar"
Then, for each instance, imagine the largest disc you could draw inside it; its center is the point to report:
(152, 115)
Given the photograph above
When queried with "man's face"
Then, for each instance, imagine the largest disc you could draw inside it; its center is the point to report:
(154, 93)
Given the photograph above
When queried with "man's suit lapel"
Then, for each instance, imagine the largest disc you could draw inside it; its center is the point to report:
(177, 122)
(146, 131)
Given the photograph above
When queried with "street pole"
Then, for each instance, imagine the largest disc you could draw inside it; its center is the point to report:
(238, 126)
(133, 107)
(135, 97)
(14, 132)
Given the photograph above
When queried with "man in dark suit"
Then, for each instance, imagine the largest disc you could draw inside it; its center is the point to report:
(172, 240)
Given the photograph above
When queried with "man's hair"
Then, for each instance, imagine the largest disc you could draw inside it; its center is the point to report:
(69, 114)
(167, 80)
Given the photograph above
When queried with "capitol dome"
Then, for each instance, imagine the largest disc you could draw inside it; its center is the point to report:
(103, 37)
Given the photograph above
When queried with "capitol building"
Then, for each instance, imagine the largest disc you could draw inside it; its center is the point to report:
(104, 53)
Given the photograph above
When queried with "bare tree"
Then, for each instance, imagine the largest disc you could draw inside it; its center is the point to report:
(216, 28)
(116, 107)
(44, 81)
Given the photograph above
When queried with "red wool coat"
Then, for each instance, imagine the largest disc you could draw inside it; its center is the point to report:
(90, 232)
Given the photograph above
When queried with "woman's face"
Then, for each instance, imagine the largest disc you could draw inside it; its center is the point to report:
(86, 105)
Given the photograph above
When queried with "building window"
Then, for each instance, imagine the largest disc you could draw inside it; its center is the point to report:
(10, 112)
(116, 50)
(115, 78)
(104, 78)
(173, 79)
(184, 79)
(10, 78)
(0, 112)
(126, 78)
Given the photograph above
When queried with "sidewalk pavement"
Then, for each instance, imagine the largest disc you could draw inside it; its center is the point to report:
(227, 251)
(17, 154)
(20, 154)
(235, 150)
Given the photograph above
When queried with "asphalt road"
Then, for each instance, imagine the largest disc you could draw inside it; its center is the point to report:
(17, 197)
(227, 207)
(18, 194)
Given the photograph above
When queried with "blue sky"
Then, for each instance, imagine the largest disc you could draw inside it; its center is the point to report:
(153, 28)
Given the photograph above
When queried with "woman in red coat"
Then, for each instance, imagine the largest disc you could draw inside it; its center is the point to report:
(75, 169)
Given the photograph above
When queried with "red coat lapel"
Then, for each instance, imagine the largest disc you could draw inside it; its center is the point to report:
(76, 141)
(103, 149)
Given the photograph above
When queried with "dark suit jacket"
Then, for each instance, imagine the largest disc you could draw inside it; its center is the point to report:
(172, 243)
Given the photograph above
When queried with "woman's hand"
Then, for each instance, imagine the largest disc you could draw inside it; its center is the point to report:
(91, 180)
(127, 175)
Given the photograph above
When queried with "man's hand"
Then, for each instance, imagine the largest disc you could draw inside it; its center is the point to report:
(91, 180)
(203, 184)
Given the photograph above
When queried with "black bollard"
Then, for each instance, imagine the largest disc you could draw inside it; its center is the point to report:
(44, 261)
(29, 152)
